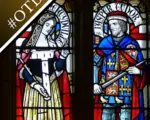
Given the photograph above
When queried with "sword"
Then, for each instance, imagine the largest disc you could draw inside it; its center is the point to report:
(106, 84)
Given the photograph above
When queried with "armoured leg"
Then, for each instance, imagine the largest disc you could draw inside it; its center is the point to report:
(125, 113)
(108, 114)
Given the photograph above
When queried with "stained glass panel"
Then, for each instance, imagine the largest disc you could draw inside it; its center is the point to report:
(120, 54)
(44, 64)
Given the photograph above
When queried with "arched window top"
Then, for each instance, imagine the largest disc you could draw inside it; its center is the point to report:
(44, 57)
(120, 44)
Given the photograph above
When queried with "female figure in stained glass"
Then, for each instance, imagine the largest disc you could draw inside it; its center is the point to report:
(42, 66)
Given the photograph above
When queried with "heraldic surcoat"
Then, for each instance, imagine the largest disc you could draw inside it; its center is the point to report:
(116, 58)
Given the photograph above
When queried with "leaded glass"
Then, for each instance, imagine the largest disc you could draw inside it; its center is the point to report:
(44, 64)
(119, 58)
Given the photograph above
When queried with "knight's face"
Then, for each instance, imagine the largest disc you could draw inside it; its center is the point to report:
(115, 28)
(48, 26)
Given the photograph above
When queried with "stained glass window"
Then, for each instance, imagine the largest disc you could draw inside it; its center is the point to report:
(44, 66)
(120, 59)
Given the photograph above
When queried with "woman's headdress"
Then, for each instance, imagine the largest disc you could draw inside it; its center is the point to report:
(38, 28)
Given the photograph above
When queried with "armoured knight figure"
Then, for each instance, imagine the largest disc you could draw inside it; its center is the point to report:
(115, 54)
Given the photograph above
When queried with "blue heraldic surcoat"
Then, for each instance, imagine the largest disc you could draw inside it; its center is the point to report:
(112, 59)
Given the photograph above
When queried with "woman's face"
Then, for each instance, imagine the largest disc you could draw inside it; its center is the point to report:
(47, 27)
